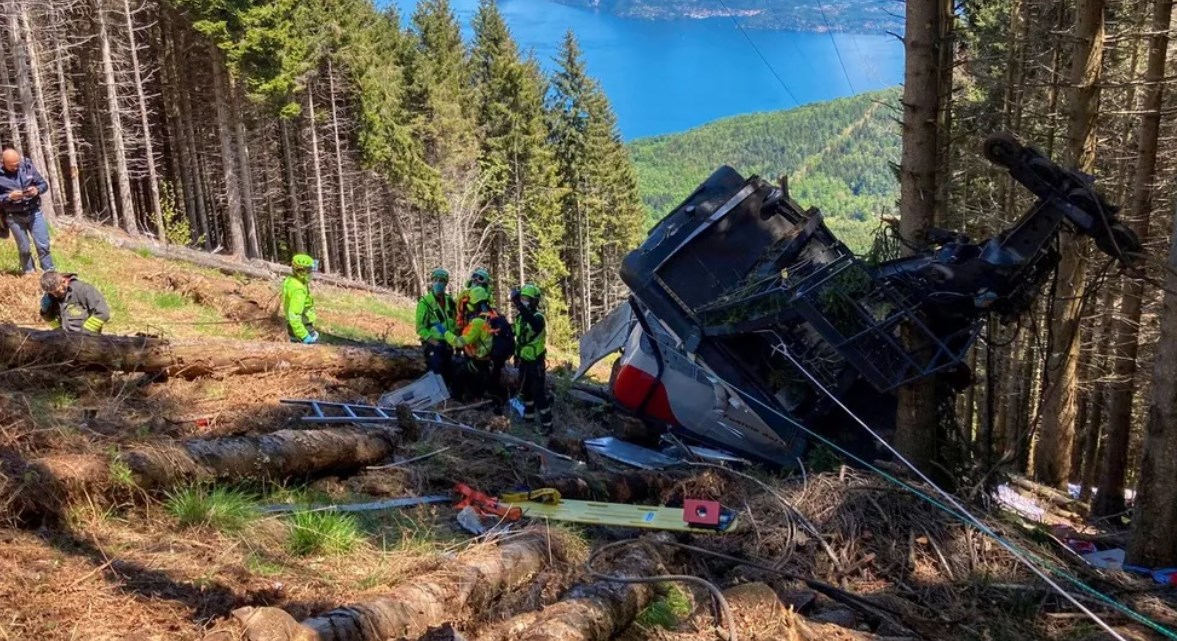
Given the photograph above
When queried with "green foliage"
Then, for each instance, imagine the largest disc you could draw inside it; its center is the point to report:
(168, 300)
(121, 475)
(837, 155)
(223, 509)
(322, 532)
(177, 228)
(668, 610)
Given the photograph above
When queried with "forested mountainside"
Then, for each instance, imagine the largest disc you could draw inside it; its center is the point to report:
(838, 156)
(262, 128)
(860, 16)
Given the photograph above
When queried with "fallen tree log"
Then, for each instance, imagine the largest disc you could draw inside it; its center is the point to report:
(44, 486)
(1051, 495)
(23, 347)
(254, 268)
(467, 585)
(595, 611)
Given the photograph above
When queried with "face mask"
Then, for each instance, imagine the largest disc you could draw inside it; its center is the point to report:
(439, 288)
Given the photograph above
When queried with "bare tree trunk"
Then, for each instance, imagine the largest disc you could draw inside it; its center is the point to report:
(116, 126)
(1052, 453)
(228, 158)
(295, 218)
(9, 98)
(28, 105)
(343, 217)
(368, 235)
(51, 166)
(915, 436)
(324, 253)
(1110, 499)
(243, 164)
(1152, 543)
(145, 123)
(71, 146)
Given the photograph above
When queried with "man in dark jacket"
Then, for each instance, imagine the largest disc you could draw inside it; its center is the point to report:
(71, 305)
(21, 187)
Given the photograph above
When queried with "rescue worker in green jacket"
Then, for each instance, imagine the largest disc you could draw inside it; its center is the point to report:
(298, 306)
(437, 315)
(479, 278)
(531, 335)
(71, 305)
(475, 370)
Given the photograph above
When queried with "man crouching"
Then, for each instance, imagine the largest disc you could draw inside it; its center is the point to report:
(71, 305)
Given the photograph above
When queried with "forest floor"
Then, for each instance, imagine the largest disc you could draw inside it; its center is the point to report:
(131, 564)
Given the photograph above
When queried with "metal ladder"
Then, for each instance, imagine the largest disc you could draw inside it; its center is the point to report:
(327, 412)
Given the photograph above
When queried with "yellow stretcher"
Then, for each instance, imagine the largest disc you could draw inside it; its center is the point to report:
(547, 504)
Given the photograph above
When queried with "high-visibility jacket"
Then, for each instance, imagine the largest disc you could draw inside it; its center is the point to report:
(298, 307)
(476, 339)
(531, 336)
(465, 313)
(82, 309)
(431, 312)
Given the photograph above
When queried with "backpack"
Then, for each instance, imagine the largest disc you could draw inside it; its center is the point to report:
(502, 346)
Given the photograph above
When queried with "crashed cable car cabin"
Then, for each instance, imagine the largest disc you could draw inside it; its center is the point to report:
(748, 317)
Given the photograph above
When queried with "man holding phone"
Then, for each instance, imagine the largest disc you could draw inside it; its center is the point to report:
(21, 187)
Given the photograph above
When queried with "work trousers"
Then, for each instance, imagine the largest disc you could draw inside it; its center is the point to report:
(533, 381)
(440, 360)
(31, 229)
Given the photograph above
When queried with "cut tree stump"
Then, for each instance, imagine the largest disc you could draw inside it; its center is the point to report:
(43, 486)
(22, 347)
(595, 611)
(467, 585)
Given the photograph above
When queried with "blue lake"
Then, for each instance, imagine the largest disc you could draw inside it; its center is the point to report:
(668, 76)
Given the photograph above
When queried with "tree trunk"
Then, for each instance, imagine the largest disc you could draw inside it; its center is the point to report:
(915, 435)
(294, 211)
(1059, 413)
(324, 253)
(196, 358)
(51, 167)
(46, 485)
(1110, 499)
(466, 586)
(71, 146)
(229, 168)
(1155, 513)
(343, 217)
(145, 123)
(596, 611)
(6, 85)
(124, 203)
(28, 104)
(244, 166)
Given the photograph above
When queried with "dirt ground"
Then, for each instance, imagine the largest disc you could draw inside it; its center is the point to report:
(127, 564)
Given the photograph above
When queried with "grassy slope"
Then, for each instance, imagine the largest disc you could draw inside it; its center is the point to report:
(836, 153)
(141, 302)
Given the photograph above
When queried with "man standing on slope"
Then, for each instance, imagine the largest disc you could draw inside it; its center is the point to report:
(71, 305)
(21, 187)
(437, 316)
(298, 307)
(531, 335)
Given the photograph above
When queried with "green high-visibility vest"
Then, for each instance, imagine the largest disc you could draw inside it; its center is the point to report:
(530, 346)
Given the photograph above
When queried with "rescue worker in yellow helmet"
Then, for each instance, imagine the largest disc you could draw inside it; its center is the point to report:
(476, 373)
(479, 278)
(531, 335)
(298, 306)
(437, 315)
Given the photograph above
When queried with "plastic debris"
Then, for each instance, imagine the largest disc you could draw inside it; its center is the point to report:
(424, 393)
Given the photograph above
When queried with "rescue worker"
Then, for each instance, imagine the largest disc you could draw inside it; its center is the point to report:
(479, 278)
(531, 335)
(71, 305)
(298, 306)
(437, 315)
(476, 372)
